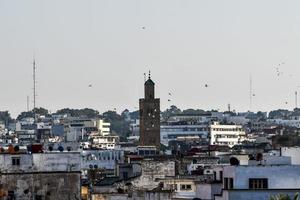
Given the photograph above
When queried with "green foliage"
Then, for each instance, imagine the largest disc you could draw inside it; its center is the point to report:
(118, 125)
(25, 115)
(194, 112)
(135, 115)
(5, 117)
(37, 111)
(86, 112)
(284, 197)
(41, 111)
(280, 113)
(173, 110)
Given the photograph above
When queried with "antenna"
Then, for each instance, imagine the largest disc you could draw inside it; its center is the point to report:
(250, 93)
(296, 99)
(27, 103)
(34, 85)
(229, 107)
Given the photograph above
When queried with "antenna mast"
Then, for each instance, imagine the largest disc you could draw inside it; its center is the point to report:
(34, 85)
(27, 103)
(296, 99)
(250, 93)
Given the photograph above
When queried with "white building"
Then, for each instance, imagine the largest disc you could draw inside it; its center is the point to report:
(175, 131)
(105, 142)
(259, 182)
(293, 152)
(135, 127)
(101, 159)
(184, 187)
(286, 122)
(103, 127)
(40, 176)
(226, 134)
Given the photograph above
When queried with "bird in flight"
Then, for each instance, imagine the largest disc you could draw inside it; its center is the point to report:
(278, 71)
(90, 85)
(206, 85)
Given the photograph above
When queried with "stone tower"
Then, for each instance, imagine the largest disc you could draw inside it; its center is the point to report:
(150, 117)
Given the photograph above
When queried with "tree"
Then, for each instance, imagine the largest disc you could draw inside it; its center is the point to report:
(280, 113)
(194, 112)
(37, 111)
(5, 117)
(284, 197)
(118, 124)
(86, 112)
(173, 110)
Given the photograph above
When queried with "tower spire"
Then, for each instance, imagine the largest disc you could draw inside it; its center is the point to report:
(149, 74)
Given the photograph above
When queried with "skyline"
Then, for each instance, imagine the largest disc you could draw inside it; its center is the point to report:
(111, 44)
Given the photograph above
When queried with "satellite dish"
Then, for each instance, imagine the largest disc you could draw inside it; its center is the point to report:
(234, 161)
(16, 148)
(50, 148)
(60, 148)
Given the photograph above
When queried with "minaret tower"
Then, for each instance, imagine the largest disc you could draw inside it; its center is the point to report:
(150, 116)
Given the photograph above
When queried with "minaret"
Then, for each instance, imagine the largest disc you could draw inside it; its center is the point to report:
(150, 116)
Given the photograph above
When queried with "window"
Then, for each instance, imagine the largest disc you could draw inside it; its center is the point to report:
(258, 183)
(15, 161)
(185, 187)
(225, 183)
(228, 183)
(221, 176)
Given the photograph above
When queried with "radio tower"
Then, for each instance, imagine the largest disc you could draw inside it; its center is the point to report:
(34, 87)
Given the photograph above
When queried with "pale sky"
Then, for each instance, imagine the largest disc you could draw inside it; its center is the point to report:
(185, 43)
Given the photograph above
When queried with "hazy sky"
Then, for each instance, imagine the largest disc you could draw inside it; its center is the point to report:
(186, 44)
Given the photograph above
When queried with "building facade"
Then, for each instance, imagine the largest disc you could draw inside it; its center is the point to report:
(229, 135)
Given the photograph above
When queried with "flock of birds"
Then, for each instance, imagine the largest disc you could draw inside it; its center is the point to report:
(278, 71)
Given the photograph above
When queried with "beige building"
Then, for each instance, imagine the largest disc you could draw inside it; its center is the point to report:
(103, 127)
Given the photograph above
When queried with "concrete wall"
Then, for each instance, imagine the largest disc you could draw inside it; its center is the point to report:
(57, 161)
(206, 191)
(26, 162)
(293, 152)
(50, 186)
(139, 195)
(153, 170)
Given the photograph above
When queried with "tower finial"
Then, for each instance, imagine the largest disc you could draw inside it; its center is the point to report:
(149, 74)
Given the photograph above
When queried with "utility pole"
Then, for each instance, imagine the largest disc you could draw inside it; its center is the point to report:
(250, 93)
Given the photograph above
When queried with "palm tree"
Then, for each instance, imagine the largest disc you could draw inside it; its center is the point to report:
(284, 197)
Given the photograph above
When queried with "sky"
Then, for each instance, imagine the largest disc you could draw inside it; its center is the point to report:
(186, 44)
